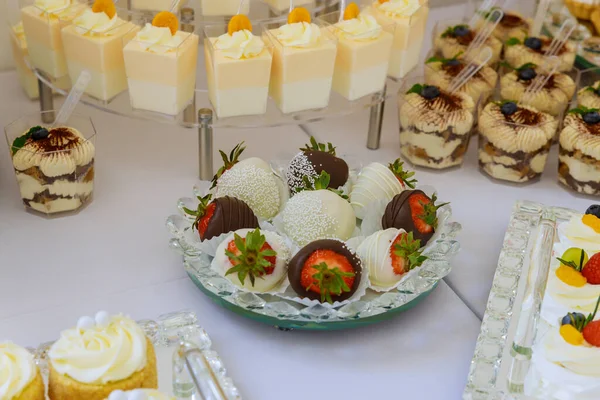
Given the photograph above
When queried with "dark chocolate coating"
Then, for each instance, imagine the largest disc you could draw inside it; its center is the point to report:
(296, 265)
(230, 215)
(398, 215)
(336, 167)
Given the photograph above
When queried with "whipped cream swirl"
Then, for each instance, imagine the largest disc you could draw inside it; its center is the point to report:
(578, 136)
(363, 27)
(577, 234)
(399, 8)
(582, 360)
(158, 39)
(94, 22)
(52, 6)
(17, 370)
(298, 34)
(109, 350)
(242, 44)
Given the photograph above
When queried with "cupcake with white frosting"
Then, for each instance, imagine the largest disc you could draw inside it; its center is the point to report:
(20, 378)
(98, 356)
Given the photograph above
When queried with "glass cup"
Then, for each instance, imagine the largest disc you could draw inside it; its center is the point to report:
(237, 84)
(435, 132)
(516, 21)
(53, 179)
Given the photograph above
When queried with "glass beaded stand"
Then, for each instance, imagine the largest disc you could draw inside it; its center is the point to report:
(512, 318)
(283, 314)
(181, 346)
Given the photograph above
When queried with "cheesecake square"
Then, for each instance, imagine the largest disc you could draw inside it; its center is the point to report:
(162, 78)
(238, 79)
(223, 8)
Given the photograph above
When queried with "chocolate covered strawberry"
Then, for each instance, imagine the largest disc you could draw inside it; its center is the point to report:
(325, 270)
(413, 211)
(221, 215)
(314, 159)
(405, 254)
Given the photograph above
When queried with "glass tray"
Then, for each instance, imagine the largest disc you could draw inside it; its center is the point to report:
(284, 314)
(512, 317)
(173, 334)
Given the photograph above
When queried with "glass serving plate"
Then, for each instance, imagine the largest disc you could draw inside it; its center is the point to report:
(181, 346)
(284, 314)
(512, 323)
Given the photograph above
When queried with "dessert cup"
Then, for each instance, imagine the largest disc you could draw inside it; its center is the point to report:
(588, 88)
(158, 5)
(514, 147)
(55, 174)
(435, 125)
(280, 6)
(18, 45)
(223, 8)
(582, 9)
(454, 37)
(515, 22)
(363, 54)
(42, 23)
(95, 42)
(238, 69)
(303, 63)
(168, 86)
(518, 52)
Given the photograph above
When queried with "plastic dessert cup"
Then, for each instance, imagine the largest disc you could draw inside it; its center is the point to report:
(100, 52)
(238, 84)
(518, 52)
(362, 59)
(223, 8)
(407, 23)
(283, 5)
(435, 131)
(42, 23)
(18, 45)
(161, 78)
(157, 5)
(301, 74)
(53, 179)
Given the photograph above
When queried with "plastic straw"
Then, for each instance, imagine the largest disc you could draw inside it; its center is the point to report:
(239, 11)
(470, 70)
(482, 10)
(540, 17)
(73, 98)
(485, 31)
(552, 63)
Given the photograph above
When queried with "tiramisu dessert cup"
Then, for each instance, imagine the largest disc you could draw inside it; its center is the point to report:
(54, 166)
(94, 42)
(223, 8)
(363, 52)
(303, 62)
(514, 140)
(579, 154)
(588, 94)
(238, 67)
(454, 37)
(518, 52)
(435, 124)
(42, 23)
(407, 21)
(169, 85)
(512, 24)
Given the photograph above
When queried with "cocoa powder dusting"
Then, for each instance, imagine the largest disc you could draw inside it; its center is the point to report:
(58, 139)
(511, 21)
(524, 116)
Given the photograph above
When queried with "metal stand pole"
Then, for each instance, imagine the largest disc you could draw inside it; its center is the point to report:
(46, 102)
(376, 120)
(205, 144)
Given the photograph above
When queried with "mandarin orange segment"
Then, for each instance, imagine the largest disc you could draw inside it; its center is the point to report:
(105, 6)
(592, 221)
(351, 11)
(166, 19)
(383, 1)
(239, 23)
(299, 14)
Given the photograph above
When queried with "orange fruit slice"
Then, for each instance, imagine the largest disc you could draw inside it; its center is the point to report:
(105, 6)
(239, 23)
(351, 11)
(383, 1)
(165, 19)
(299, 14)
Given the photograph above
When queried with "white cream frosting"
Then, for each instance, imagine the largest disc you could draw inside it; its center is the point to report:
(582, 360)
(298, 34)
(139, 394)
(577, 234)
(158, 39)
(398, 8)
(52, 6)
(577, 136)
(363, 27)
(94, 22)
(100, 350)
(242, 44)
(374, 252)
(17, 370)
(375, 182)
(571, 298)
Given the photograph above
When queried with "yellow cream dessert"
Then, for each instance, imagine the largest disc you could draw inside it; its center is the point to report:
(582, 8)
(303, 63)
(20, 378)
(42, 23)
(54, 168)
(158, 5)
(533, 50)
(589, 96)
(27, 78)
(94, 42)
(223, 8)
(98, 356)
(406, 20)
(579, 154)
(514, 141)
(363, 53)
(160, 63)
(553, 98)
(238, 68)
(457, 39)
(139, 394)
(435, 125)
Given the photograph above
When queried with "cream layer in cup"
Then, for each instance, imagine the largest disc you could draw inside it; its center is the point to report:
(533, 50)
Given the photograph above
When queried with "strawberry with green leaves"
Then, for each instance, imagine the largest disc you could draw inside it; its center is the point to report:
(577, 329)
(405, 254)
(228, 161)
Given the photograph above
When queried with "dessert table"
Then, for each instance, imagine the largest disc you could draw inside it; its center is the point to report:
(114, 256)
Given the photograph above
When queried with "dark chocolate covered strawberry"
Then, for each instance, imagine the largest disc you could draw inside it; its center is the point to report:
(221, 215)
(314, 159)
(413, 211)
(325, 270)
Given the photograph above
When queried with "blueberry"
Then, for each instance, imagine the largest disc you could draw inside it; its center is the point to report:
(453, 62)
(527, 74)
(509, 108)
(572, 318)
(594, 209)
(39, 133)
(461, 30)
(591, 117)
(430, 92)
(533, 43)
